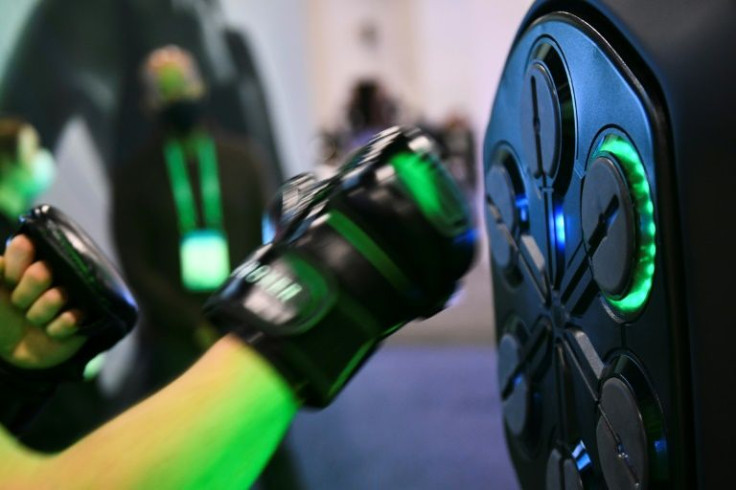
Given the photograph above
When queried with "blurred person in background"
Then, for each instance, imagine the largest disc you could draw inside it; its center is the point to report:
(370, 111)
(458, 142)
(186, 208)
(26, 171)
(79, 60)
(456, 145)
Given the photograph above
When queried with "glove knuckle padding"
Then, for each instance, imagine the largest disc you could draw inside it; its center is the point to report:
(388, 236)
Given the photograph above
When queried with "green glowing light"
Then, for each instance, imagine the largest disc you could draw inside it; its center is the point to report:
(94, 367)
(370, 250)
(434, 190)
(643, 275)
(237, 408)
(204, 254)
(205, 262)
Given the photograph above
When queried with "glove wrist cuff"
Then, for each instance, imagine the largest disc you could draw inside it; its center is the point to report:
(316, 337)
(24, 393)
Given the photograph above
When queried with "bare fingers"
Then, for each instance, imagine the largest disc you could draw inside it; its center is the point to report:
(31, 282)
(64, 325)
(47, 306)
(38, 350)
(18, 257)
(34, 282)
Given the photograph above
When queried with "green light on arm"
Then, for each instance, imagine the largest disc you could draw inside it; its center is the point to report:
(214, 427)
(18, 466)
(635, 172)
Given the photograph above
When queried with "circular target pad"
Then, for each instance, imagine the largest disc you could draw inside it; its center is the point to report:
(617, 216)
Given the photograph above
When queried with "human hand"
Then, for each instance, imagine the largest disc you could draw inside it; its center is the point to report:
(36, 332)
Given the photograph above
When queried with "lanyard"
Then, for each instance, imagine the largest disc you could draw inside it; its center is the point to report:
(182, 189)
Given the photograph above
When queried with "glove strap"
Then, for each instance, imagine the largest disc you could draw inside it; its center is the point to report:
(291, 312)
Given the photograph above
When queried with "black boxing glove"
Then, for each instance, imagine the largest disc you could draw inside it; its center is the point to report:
(92, 285)
(353, 259)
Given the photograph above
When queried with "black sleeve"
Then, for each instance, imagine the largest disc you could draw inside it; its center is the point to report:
(131, 234)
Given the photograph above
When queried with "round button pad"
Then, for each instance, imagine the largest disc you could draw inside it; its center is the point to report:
(608, 225)
(622, 441)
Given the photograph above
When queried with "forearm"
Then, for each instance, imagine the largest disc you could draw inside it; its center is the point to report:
(215, 427)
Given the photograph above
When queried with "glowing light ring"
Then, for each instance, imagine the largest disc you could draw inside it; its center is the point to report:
(635, 173)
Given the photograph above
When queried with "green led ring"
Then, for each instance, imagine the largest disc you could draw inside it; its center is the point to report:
(643, 276)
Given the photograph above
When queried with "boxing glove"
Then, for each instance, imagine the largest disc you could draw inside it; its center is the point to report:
(352, 259)
(92, 286)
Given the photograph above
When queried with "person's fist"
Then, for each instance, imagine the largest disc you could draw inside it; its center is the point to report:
(36, 331)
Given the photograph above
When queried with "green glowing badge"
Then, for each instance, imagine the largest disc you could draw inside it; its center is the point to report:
(205, 262)
(203, 251)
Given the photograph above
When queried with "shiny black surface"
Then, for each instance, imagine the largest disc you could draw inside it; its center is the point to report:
(684, 55)
(93, 284)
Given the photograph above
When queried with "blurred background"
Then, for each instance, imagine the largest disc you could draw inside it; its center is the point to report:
(303, 82)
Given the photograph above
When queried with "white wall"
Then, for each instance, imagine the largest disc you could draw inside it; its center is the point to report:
(435, 55)
(461, 48)
(81, 188)
(278, 32)
(340, 53)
